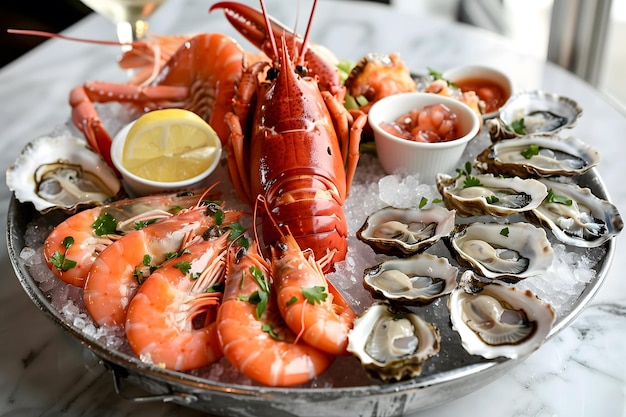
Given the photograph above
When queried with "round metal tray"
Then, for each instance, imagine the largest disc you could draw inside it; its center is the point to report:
(450, 375)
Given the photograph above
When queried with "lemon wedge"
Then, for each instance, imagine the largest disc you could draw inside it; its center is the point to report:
(170, 145)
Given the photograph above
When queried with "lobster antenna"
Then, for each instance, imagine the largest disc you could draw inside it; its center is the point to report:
(267, 25)
(44, 34)
(308, 30)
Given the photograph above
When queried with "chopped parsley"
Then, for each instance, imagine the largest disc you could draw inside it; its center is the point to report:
(184, 267)
(560, 199)
(439, 76)
(105, 224)
(492, 199)
(505, 231)
(518, 126)
(471, 182)
(140, 224)
(423, 202)
(531, 151)
(261, 297)
(59, 260)
(316, 294)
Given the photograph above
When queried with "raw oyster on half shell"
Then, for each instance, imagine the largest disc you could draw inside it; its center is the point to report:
(405, 232)
(61, 172)
(392, 342)
(486, 194)
(530, 112)
(419, 279)
(508, 252)
(576, 216)
(495, 320)
(538, 156)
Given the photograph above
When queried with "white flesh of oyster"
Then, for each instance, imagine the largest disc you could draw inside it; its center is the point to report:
(539, 155)
(485, 194)
(509, 252)
(419, 279)
(61, 172)
(576, 216)
(405, 232)
(392, 343)
(494, 320)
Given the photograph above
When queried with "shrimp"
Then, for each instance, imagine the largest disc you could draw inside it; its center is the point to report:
(72, 246)
(310, 305)
(119, 270)
(252, 334)
(171, 320)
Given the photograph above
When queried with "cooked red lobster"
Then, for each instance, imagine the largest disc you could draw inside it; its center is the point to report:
(291, 143)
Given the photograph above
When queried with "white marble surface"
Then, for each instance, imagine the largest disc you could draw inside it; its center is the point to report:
(44, 372)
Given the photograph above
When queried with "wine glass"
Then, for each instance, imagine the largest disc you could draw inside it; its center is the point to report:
(130, 16)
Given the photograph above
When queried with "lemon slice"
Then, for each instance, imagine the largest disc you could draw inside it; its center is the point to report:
(170, 145)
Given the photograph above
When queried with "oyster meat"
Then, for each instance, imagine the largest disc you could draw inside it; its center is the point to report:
(528, 112)
(538, 155)
(392, 342)
(486, 194)
(418, 280)
(576, 216)
(405, 232)
(495, 320)
(508, 252)
(61, 172)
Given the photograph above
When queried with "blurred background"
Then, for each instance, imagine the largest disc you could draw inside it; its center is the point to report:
(581, 35)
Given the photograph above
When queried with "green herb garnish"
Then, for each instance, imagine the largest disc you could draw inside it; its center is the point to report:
(518, 126)
(560, 199)
(59, 260)
(315, 294)
(505, 232)
(531, 151)
(471, 182)
(105, 224)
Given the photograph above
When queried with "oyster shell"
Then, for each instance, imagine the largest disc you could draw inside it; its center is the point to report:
(392, 343)
(539, 155)
(508, 252)
(495, 320)
(485, 194)
(576, 216)
(534, 112)
(405, 232)
(61, 172)
(419, 279)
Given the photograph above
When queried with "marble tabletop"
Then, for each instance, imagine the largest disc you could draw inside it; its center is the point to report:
(44, 372)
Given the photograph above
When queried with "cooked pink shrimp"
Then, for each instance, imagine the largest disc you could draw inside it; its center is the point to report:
(119, 270)
(171, 320)
(71, 248)
(252, 334)
(310, 305)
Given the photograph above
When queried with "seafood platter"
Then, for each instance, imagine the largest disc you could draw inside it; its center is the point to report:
(284, 288)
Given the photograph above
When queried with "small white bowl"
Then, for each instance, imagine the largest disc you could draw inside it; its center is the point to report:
(402, 156)
(137, 186)
(481, 72)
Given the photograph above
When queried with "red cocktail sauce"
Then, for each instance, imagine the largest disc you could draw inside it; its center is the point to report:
(488, 91)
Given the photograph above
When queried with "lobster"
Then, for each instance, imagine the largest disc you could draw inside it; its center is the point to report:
(292, 142)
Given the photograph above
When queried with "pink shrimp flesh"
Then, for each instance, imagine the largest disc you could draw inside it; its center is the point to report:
(119, 270)
(252, 333)
(171, 319)
(310, 305)
(71, 248)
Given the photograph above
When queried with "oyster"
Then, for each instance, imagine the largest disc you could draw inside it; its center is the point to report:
(538, 155)
(392, 343)
(405, 232)
(419, 279)
(61, 172)
(576, 216)
(508, 252)
(483, 194)
(495, 320)
(529, 112)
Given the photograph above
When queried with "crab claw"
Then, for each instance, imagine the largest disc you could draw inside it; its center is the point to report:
(251, 24)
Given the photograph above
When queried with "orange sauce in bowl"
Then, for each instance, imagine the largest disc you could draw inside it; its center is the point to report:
(491, 93)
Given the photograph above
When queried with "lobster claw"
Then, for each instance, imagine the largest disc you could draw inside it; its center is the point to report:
(251, 24)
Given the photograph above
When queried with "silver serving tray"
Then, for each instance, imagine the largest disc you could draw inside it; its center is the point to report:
(448, 376)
